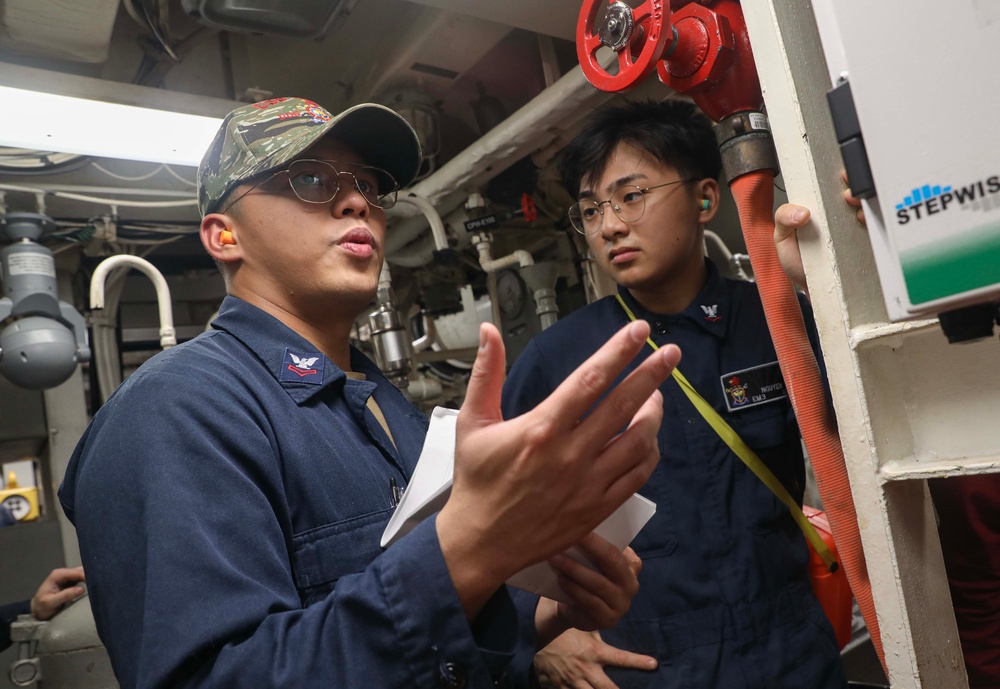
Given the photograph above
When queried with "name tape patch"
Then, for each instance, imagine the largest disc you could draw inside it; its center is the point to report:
(753, 386)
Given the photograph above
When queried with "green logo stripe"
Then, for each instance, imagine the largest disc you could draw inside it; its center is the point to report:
(959, 264)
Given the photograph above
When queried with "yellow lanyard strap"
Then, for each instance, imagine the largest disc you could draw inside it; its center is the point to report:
(749, 457)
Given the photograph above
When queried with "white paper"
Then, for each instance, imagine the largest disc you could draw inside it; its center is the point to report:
(430, 486)
(619, 529)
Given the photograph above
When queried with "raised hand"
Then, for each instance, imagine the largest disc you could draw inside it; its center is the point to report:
(528, 488)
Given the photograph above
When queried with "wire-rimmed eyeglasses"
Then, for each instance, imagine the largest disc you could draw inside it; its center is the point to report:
(318, 181)
(627, 201)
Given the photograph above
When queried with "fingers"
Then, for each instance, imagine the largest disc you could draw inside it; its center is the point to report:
(633, 560)
(482, 397)
(64, 596)
(601, 653)
(603, 594)
(856, 203)
(51, 598)
(578, 659)
(636, 661)
(612, 582)
(847, 194)
(614, 563)
(632, 456)
(571, 667)
(63, 576)
(852, 200)
(590, 380)
(623, 404)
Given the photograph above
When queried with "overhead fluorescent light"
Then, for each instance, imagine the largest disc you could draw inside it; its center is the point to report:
(65, 124)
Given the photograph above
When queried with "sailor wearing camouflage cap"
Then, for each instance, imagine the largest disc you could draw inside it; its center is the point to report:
(293, 200)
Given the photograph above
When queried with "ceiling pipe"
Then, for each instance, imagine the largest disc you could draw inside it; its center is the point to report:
(431, 214)
(535, 125)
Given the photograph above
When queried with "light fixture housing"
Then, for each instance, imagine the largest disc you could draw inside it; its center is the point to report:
(67, 124)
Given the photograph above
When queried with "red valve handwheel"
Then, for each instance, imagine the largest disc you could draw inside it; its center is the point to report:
(645, 28)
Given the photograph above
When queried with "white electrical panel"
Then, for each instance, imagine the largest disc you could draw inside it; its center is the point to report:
(926, 89)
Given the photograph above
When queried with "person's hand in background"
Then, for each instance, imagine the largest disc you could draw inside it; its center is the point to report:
(59, 588)
(787, 221)
(851, 201)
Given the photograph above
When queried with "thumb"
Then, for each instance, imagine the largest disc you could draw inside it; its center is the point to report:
(787, 219)
(482, 396)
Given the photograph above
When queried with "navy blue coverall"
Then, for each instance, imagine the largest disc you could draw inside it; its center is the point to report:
(724, 600)
(229, 500)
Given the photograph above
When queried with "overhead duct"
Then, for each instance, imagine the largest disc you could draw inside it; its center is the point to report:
(78, 30)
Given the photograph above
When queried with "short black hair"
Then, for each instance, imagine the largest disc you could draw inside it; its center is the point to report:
(675, 132)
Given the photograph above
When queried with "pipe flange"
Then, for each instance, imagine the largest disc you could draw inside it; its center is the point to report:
(746, 145)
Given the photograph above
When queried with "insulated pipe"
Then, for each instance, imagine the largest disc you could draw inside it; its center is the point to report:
(104, 342)
(754, 193)
(437, 225)
(733, 260)
(719, 244)
(489, 264)
(41, 192)
(541, 278)
(167, 335)
(536, 124)
(426, 340)
(420, 252)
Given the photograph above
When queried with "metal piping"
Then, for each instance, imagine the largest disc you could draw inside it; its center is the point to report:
(167, 334)
(425, 207)
(534, 126)
(483, 244)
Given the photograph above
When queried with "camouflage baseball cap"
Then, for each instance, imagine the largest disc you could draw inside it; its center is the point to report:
(257, 138)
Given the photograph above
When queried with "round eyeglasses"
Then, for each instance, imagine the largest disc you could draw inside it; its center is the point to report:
(318, 181)
(627, 201)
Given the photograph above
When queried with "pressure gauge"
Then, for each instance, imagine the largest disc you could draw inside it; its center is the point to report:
(511, 293)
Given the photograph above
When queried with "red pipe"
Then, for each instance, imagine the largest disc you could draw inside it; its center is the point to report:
(754, 194)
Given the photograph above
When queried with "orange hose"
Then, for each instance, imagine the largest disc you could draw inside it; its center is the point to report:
(754, 193)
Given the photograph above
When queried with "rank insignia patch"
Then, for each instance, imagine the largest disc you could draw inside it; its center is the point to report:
(302, 367)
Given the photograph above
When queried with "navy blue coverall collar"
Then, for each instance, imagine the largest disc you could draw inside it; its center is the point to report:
(278, 347)
(710, 309)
